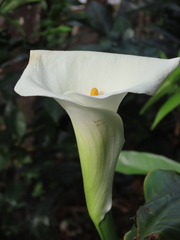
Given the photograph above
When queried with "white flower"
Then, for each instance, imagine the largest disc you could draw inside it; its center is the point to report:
(68, 77)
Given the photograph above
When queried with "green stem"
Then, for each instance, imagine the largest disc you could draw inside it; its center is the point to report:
(106, 228)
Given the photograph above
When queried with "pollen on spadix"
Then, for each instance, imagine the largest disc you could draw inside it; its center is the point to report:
(94, 92)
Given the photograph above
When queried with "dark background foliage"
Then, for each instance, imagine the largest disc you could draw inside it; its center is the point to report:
(41, 190)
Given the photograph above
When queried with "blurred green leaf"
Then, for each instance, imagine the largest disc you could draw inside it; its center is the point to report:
(38, 190)
(121, 24)
(15, 120)
(170, 86)
(3, 161)
(19, 124)
(131, 162)
(13, 193)
(167, 107)
(17, 59)
(10, 5)
(41, 228)
(15, 23)
(25, 160)
(4, 156)
(167, 87)
(99, 16)
(7, 84)
(130, 7)
(162, 55)
(45, 136)
(53, 109)
(159, 217)
(166, 34)
(56, 30)
(64, 29)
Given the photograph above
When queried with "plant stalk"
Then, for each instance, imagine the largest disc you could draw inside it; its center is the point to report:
(106, 228)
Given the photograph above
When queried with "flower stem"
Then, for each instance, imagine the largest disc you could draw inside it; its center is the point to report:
(106, 228)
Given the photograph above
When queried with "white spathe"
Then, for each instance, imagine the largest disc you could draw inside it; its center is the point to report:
(68, 77)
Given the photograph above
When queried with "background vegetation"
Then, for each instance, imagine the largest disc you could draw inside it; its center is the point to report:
(41, 192)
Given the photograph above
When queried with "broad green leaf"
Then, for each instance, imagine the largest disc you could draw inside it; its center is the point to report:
(168, 106)
(159, 218)
(168, 183)
(131, 235)
(131, 162)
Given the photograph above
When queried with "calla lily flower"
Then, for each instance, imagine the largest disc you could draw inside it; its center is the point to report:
(90, 86)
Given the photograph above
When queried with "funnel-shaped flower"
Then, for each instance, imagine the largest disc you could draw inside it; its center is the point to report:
(69, 78)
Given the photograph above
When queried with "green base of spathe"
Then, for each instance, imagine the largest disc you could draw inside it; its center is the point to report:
(106, 228)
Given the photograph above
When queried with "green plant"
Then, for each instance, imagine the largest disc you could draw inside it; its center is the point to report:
(159, 218)
(41, 193)
(66, 77)
(170, 87)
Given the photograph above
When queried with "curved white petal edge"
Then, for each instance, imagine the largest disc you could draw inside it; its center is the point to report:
(68, 77)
